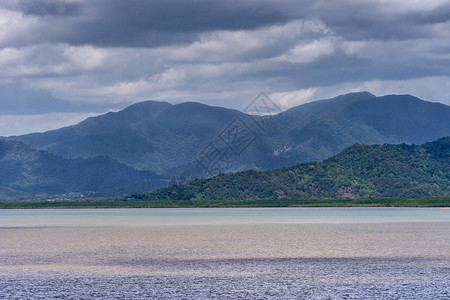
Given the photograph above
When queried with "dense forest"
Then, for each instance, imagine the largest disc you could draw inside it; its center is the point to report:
(358, 172)
(29, 174)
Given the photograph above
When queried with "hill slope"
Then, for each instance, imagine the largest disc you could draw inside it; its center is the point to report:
(170, 139)
(149, 135)
(360, 171)
(31, 174)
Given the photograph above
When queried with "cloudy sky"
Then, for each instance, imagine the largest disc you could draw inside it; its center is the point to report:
(61, 61)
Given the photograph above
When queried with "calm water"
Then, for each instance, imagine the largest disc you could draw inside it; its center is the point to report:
(196, 216)
(245, 253)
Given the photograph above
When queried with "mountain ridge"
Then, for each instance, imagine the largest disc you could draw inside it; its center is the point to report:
(158, 128)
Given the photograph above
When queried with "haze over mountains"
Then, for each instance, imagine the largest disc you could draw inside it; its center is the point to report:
(192, 140)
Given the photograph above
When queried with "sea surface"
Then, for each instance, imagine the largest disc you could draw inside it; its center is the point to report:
(225, 253)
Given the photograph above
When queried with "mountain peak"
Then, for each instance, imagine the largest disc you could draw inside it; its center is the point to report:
(353, 97)
(332, 105)
(148, 104)
(362, 94)
(149, 107)
(137, 112)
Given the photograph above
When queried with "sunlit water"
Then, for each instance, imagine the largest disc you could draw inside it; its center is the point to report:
(279, 253)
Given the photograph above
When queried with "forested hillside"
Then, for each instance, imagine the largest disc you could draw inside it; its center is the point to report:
(359, 171)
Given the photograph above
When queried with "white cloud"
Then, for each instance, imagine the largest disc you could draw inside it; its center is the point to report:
(84, 58)
(50, 60)
(293, 98)
(229, 46)
(167, 80)
(202, 70)
(80, 89)
(309, 52)
(14, 25)
(383, 51)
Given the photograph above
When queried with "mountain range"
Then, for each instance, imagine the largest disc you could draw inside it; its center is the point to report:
(358, 172)
(166, 139)
(171, 144)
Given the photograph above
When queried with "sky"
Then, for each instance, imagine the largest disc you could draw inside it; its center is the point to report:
(63, 61)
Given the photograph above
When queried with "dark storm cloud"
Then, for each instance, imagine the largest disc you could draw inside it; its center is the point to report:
(185, 16)
(439, 14)
(142, 23)
(352, 19)
(369, 19)
(94, 55)
(49, 8)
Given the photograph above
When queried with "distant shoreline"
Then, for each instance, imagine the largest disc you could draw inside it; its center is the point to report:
(437, 202)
